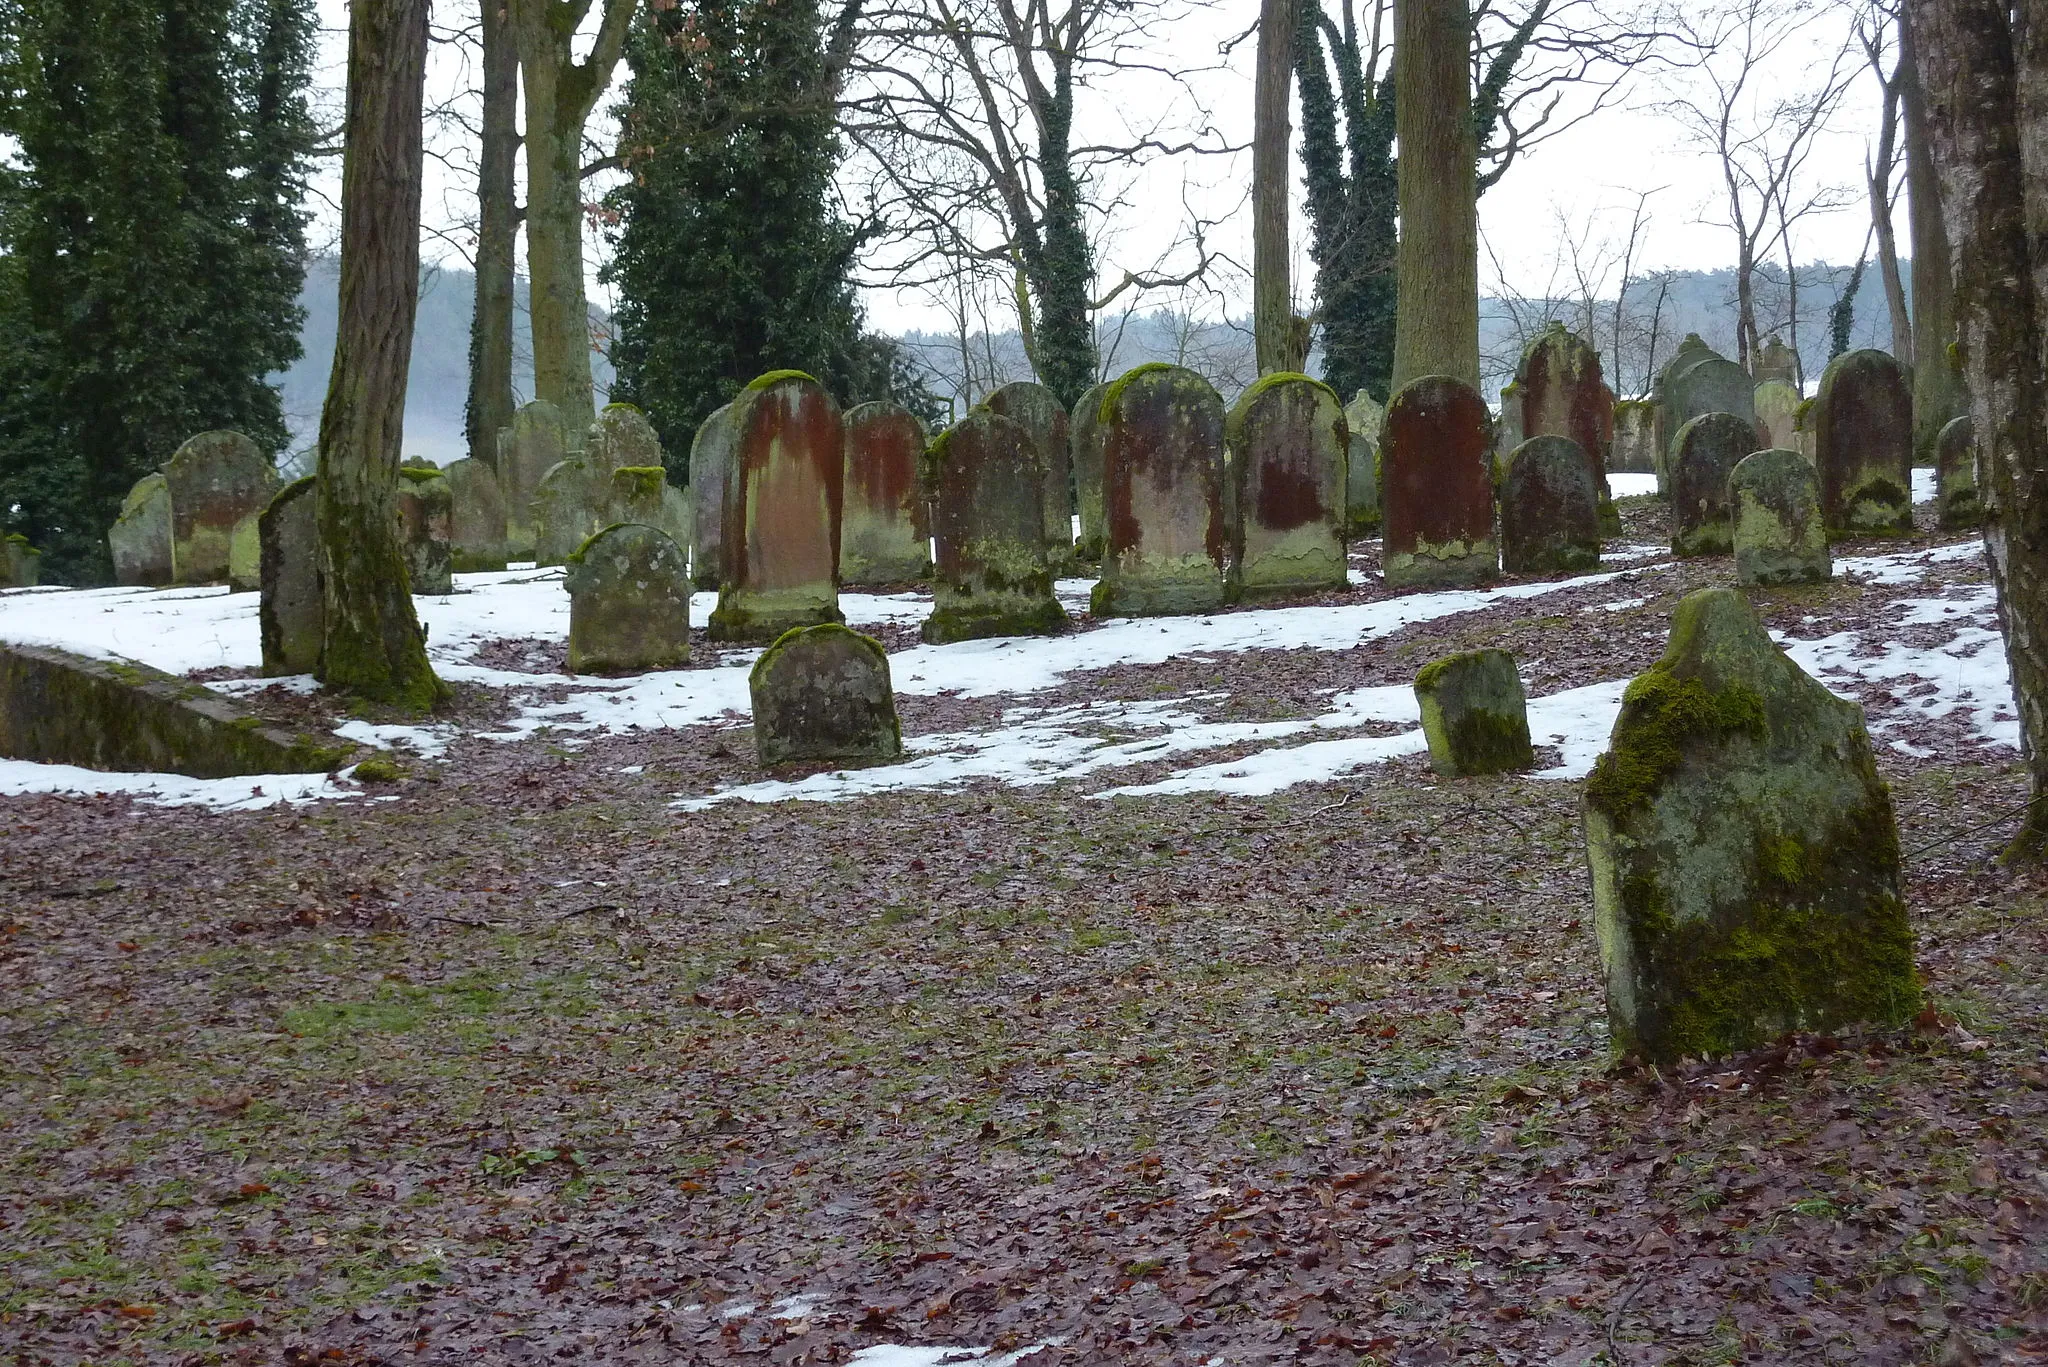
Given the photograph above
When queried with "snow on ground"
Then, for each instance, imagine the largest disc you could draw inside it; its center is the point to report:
(904, 1355)
(1630, 486)
(172, 790)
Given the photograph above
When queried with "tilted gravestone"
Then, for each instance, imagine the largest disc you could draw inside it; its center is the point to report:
(1287, 439)
(1038, 411)
(1084, 450)
(884, 527)
(1633, 449)
(1549, 509)
(1564, 395)
(425, 515)
(21, 565)
(140, 538)
(1862, 424)
(477, 519)
(1362, 466)
(1436, 488)
(1475, 715)
(1955, 475)
(565, 512)
(783, 500)
(821, 694)
(536, 442)
(1780, 537)
(991, 576)
(1777, 414)
(292, 614)
(710, 469)
(214, 480)
(1162, 477)
(629, 602)
(1703, 455)
(1744, 854)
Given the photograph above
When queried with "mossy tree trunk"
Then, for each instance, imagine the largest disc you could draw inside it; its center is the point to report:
(1436, 322)
(1937, 383)
(371, 642)
(1272, 299)
(490, 328)
(1061, 264)
(1986, 91)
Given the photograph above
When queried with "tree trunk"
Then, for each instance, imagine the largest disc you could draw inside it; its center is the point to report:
(554, 238)
(1987, 125)
(1272, 299)
(1436, 323)
(372, 644)
(1888, 268)
(1065, 263)
(1937, 384)
(490, 327)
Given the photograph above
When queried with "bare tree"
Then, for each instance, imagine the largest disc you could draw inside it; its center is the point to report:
(1272, 301)
(1881, 165)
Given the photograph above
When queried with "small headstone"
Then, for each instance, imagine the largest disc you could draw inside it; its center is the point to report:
(629, 602)
(991, 577)
(534, 444)
(1634, 447)
(1436, 488)
(822, 695)
(1084, 449)
(215, 480)
(1475, 715)
(1507, 428)
(564, 512)
(1862, 425)
(1777, 414)
(710, 468)
(245, 550)
(292, 614)
(1038, 411)
(1365, 417)
(621, 438)
(1287, 441)
(1162, 474)
(425, 510)
(1744, 854)
(1780, 537)
(21, 565)
(1955, 475)
(884, 531)
(140, 538)
(478, 519)
(783, 498)
(1703, 455)
(636, 495)
(1563, 395)
(1549, 509)
(1777, 363)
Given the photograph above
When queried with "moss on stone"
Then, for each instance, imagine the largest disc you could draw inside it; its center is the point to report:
(378, 769)
(1474, 714)
(972, 622)
(639, 481)
(1666, 714)
(1113, 392)
(774, 377)
(1802, 416)
(419, 474)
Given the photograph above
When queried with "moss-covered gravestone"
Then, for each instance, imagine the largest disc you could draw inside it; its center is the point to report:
(884, 528)
(1777, 414)
(1632, 450)
(565, 512)
(426, 509)
(991, 577)
(1507, 427)
(292, 613)
(1955, 475)
(140, 538)
(1779, 535)
(1436, 487)
(477, 518)
(634, 494)
(1564, 395)
(1084, 451)
(536, 442)
(214, 480)
(1162, 475)
(1549, 509)
(1703, 455)
(1287, 440)
(1744, 855)
(710, 470)
(244, 550)
(1710, 384)
(1474, 714)
(21, 565)
(1862, 423)
(629, 602)
(822, 695)
(1037, 410)
(780, 539)
(622, 438)
(1364, 418)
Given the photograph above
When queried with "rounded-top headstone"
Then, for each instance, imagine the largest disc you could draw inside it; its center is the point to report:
(1549, 509)
(1703, 455)
(1563, 394)
(215, 480)
(622, 438)
(1163, 495)
(1084, 452)
(478, 520)
(1779, 535)
(992, 576)
(883, 533)
(1955, 475)
(1436, 487)
(1475, 715)
(1862, 424)
(563, 512)
(534, 444)
(822, 695)
(1038, 410)
(710, 468)
(1288, 441)
(629, 602)
(291, 616)
(140, 538)
(779, 535)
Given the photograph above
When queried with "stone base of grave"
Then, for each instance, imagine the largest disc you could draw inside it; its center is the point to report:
(1159, 595)
(979, 621)
(1455, 566)
(1475, 715)
(762, 621)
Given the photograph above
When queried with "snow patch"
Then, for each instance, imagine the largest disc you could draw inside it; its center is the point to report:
(20, 776)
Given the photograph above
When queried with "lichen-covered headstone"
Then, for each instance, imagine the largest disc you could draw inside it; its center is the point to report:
(1955, 475)
(244, 553)
(215, 480)
(1862, 423)
(621, 438)
(780, 539)
(140, 538)
(634, 494)
(1549, 509)
(1703, 455)
(1475, 715)
(477, 520)
(1562, 394)
(426, 508)
(1038, 411)
(1777, 414)
(1507, 428)
(884, 531)
(292, 615)
(1776, 363)
(536, 442)
(629, 602)
(1689, 350)
(565, 512)
(21, 565)
(1744, 854)
(992, 576)
(822, 695)
(710, 469)
(1287, 439)
(1633, 449)
(1436, 489)
(1162, 462)
(1084, 450)
(1365, 418)
(1780, 537)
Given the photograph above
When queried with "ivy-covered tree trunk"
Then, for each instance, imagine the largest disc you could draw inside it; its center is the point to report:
(372, 644)
(1937, 383)
(490, 327)
(1061, 264)
(1436, 327)
(1272, 296)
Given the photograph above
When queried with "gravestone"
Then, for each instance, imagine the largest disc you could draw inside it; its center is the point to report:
(21, 565)
(1562, 394)
(1777, 363)
(425, 516)
(292, 614)
(140, 538)
(1362, 466)
(1162, 476)
(1286, 438)
(1777, 414)
(634, 493)
(1474, 713)
(1744, 855)
(1689, 350)
(1365, 416)
(564, 512)
(1507, 428)
(822, 695)
(536, 442)
(1633, 450)
(244, 553)
(1436, 490)
(991, 576)
(477, 518)
(1780, 537)
(783, 498)
(1549, 509)
(710, 469)
(629, 602)
(884, 528)
(1955, 475)
(1703, 455)
(621, 438)
(214, 480)
(1084, 448)
(1862, 424)
(1712, 384)
(1038, 411)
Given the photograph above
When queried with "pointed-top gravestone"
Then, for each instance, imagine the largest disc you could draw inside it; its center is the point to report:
(534, 444)
(1084, 448)
(629, 602)
(822, 695)
(1038, 411)
(1163, 492)
(1436, 487)
(1862, 422)
(1703, 455)
(140, 538)
(214, 480)
(991, 576)
(783, 498)
(1779, 535)
(1955, 475)
(1287, 440)
(710, 469)
(291, 615)
(1549, 509)
(477, 517)
(884, 536)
